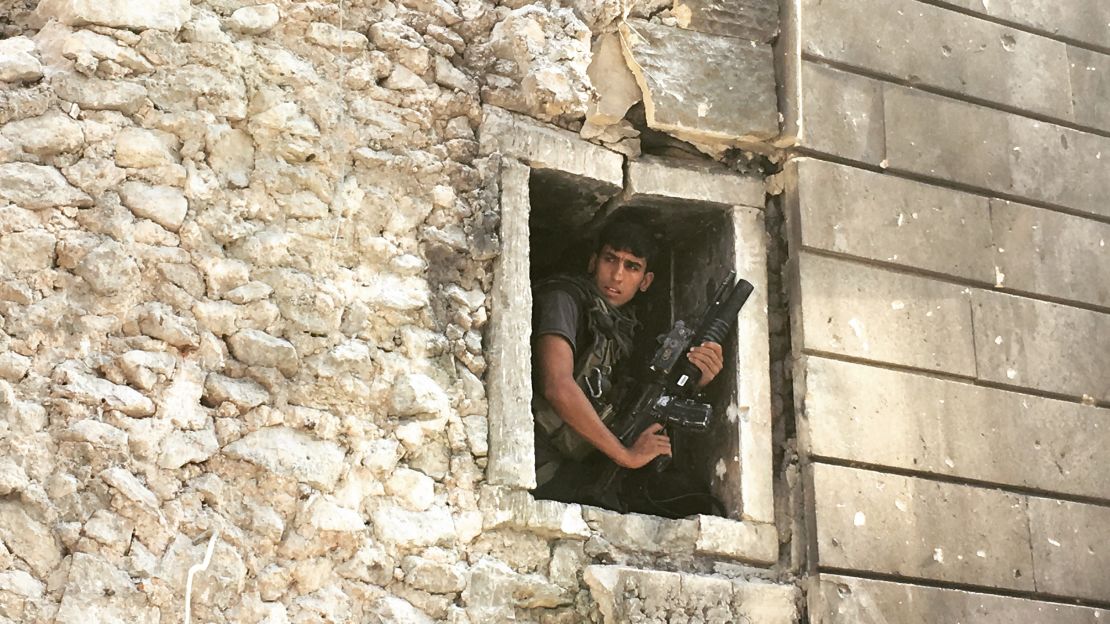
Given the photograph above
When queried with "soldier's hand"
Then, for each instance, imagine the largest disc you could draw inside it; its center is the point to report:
(709, 358)
(651, 444)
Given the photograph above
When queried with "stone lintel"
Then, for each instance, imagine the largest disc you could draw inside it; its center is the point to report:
(657, 181)
(541, 146)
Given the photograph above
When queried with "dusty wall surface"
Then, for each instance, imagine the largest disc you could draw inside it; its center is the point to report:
(949, 230)
(247, 252)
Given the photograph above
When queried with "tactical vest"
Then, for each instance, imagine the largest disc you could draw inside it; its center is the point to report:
(593, 368)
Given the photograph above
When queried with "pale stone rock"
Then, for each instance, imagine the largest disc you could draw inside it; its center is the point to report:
(97, 433)
(139, 148)
(224, 274)
(37, 187)
(418, 395)
(414, 489)
(244, 393)
(158, 321)
(549, 51)
(130, 487)
(397, 611)
(22, 584)
(185, 447)
(493, 583)
(452, 77)
(433, 576)
(330, 36)
(17, 63)
(108, 269)
(220, 586)
(49, 134)
(403, 79)
(616, 87)
(231, 152)
(12, 477)
(13, 366)
(395, 525)
(258, 348)
(26, 252)
(254, 20)
(138, 15)
(143, 368)
(110, 529)
(304, 205)
(27, 538)
(96, 391)
(165, 205)
(327, 515)
(381, 456)
(82, 44)
(219, 317)
(293, 454)
(97, 94)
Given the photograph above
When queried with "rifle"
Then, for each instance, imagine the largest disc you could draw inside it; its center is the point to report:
(667, 396)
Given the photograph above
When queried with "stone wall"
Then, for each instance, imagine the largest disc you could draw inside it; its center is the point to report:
(249, 256)
(949, 228)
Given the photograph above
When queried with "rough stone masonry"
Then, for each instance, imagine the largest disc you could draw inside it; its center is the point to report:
(245, 253)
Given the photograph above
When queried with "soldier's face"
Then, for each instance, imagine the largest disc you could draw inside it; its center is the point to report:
(619, 275)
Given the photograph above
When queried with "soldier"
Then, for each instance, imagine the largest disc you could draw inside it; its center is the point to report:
(582, 328)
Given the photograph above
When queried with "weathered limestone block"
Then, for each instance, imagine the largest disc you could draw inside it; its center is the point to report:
(28, 538)
(1049, 253)
(220, 586)
(244, 393)
(546, 52)
(517, 509)
(96, 391)
(833, 599)
(744, 541)
(137, 15)
(96, 590)
(186, 447)
(1070, 540)
(494, 584)
(165, 205)
(17, 61)
(47, 135)
(641, 533)
(230, 153)
(291, 453)
(98, 434)
(413, 529)
(328, 515)
(17, 589)
(947, 50)
(884, 316)
(136, 147)
(26, 252)
(878, 217)
(841, 114)
(1083, 20)
(417, 395)
(128, 485)
(734, 102)
(220, 92)
(258, 348)
(97, 94)
(399, 610)
(1090, 86)
(12, 477)
(631, 595)
(433, 576)
(109, 529)
(108, 269)
(1035, 344)
(755, 20)
(880, 417)
(254, 20)
(159, 321)
(617, 89)
(37, 187)
(916, 528)
(414, 489)
(143, 369)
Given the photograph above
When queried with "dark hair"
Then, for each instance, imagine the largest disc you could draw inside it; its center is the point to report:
(629, 235)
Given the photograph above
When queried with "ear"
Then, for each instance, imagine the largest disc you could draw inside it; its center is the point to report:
(649, 277)
(593, 264)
